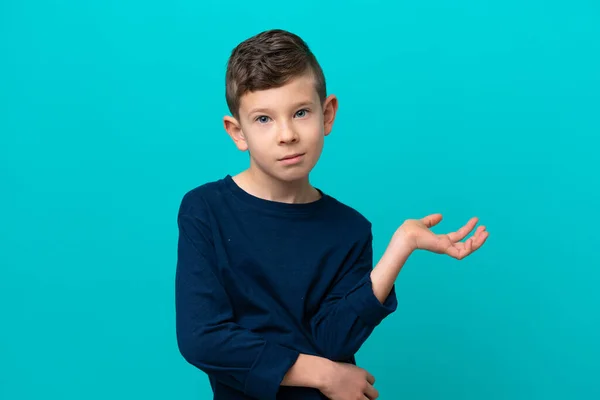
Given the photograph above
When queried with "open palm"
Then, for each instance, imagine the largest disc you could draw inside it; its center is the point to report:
(421, 237)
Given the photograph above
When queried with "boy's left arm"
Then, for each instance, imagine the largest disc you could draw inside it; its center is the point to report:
(351, 311)
(363, 296)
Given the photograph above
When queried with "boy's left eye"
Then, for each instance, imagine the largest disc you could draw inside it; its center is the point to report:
(302, 113)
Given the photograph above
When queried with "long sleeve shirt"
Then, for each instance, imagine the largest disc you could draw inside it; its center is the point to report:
(258, 282)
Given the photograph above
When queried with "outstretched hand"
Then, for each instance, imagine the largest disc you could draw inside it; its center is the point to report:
(419, 236)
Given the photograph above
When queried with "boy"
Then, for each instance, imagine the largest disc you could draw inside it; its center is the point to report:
(275, 285)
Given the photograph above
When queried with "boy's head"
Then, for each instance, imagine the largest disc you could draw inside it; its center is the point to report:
(276, 93)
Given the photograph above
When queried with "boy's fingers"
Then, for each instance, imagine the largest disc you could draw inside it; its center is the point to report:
(460, 250)
(481, 238)
(452, 252)
(463, 231)
(370, 379)
(371, 393)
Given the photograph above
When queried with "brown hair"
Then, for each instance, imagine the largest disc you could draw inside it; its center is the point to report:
(269, 60)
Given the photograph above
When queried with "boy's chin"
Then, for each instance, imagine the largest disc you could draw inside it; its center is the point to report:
(287, 174)
(292, 175)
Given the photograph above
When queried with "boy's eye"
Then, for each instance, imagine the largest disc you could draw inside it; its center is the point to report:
(301, 113)
(263, 119)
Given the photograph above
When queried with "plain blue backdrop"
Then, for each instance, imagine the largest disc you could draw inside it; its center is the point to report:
(111, 110)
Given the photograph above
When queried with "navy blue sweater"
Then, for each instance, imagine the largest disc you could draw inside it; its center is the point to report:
(258, 282)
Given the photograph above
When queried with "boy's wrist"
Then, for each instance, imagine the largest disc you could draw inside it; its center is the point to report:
(401, 246)
(404, 241)
(310, 371)
(325, 369)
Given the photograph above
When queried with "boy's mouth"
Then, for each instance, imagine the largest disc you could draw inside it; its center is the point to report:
(291, 156)
(292, 159)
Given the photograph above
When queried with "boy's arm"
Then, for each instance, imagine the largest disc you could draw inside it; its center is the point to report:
(363, 295)
(208, 337)
(359, 300)
(387, 269)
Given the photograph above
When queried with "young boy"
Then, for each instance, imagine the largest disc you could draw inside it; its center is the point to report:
(275, 285)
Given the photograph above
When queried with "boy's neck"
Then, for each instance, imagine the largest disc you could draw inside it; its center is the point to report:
(265, 187)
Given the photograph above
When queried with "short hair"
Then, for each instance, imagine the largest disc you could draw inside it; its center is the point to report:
(268, 60)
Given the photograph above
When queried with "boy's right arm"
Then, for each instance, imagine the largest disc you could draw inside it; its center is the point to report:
(207, 335)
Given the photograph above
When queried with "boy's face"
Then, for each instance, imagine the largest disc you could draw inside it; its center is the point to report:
(283, 128)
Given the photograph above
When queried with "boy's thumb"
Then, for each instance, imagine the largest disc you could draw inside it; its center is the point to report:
(432, 219)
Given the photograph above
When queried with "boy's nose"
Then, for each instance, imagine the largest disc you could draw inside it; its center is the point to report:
(287, 135)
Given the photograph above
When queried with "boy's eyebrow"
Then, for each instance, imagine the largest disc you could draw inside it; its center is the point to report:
(296, 105)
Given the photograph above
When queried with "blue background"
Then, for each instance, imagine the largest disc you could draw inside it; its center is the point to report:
(110, 111)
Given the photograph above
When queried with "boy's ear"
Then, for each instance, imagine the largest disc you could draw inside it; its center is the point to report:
(234, 130)
(330, 107)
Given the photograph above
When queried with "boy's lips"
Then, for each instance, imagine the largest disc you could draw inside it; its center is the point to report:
(292, 159)
(291, 156)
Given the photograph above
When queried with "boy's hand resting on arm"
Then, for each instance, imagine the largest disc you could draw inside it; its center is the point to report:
(414, 234)
(348, 382)
(336, 380)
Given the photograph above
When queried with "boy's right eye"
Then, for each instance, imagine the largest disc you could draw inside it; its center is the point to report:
(263, 119)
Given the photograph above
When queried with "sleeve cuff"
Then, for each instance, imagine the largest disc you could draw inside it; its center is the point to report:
(367, 306)
(265, 376)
